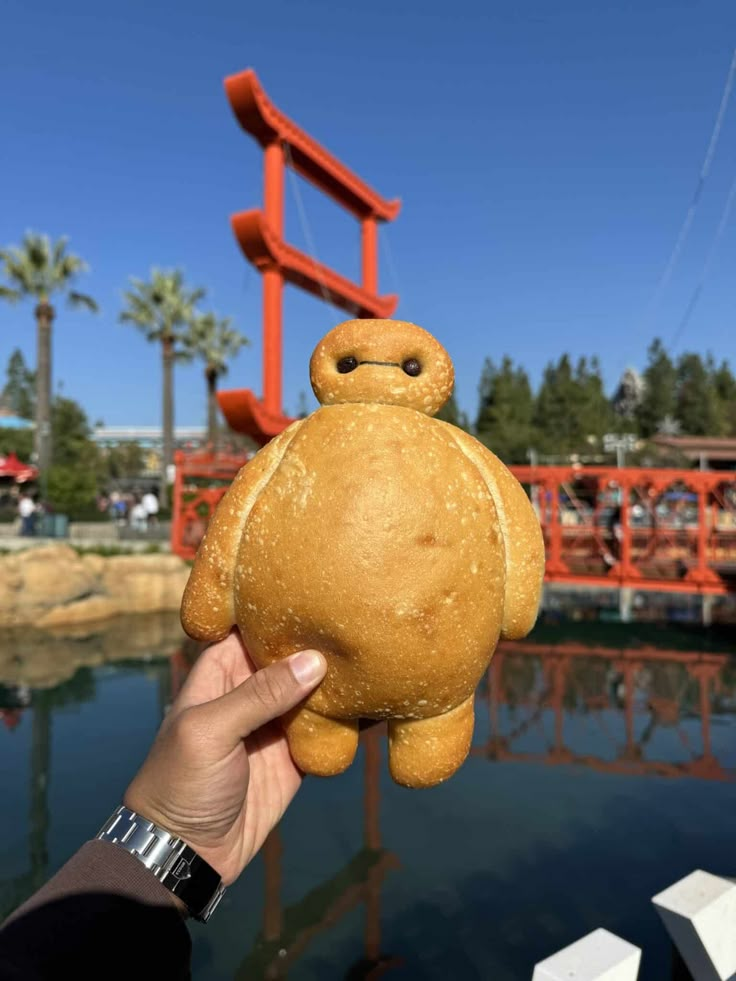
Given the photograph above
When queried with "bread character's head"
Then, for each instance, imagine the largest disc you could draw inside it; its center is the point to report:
(386, 361)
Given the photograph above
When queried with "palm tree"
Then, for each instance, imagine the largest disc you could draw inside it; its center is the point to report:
(215, 341)
(37, 269)
(164, 309)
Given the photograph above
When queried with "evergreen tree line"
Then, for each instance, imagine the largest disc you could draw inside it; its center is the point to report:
(571, 411)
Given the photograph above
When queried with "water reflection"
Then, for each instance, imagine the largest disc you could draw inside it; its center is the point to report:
(628, 693)
(287, 931)
(631, 710)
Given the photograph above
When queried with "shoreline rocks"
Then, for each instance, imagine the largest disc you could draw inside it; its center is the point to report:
(52, 586)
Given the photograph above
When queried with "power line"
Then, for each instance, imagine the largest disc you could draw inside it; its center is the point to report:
(697, 194)
(697, 292)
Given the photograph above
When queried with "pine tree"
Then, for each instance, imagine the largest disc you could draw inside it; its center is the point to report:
(18, 393)
(504, 422)
(658, 400)
(560, 408)
(595, 407)
(696, 406)
(724, 384)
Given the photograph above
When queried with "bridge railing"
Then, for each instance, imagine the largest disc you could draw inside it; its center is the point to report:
(673, 530)
(668, 530)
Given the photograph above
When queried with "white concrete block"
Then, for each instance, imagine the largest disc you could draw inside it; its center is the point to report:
(601, 956)
(699, 912)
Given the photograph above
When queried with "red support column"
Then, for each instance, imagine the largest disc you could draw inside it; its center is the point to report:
(273, 280)
(177, 507)
(702, 574)
(554, 559)
(273, 288)
(702, 566)
(273, 189)
(369, 244)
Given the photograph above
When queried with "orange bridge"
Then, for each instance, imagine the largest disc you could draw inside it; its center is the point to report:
(672, 531)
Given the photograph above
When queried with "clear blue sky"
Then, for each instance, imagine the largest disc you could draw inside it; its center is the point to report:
(545, 154)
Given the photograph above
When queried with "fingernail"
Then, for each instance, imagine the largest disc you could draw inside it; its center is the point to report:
(307, 667)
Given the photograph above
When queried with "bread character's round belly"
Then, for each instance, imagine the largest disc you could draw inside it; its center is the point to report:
(376, 542)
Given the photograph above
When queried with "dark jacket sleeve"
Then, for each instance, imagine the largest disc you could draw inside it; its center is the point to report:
(103, 915)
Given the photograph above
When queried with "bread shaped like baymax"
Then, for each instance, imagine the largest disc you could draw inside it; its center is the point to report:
(392, 542)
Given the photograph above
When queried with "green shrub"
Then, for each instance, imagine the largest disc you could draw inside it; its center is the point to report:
(71, 490)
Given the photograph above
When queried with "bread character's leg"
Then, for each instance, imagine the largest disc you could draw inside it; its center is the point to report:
(319, 745)
(423, 752)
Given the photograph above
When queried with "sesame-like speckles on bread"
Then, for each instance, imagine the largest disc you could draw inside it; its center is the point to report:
(380, 348)
(394, 543)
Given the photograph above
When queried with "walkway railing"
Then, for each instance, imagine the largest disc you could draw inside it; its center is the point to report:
(672, 531)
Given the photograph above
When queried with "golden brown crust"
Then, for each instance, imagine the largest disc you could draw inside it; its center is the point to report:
(319, 745)
(380, 347)
(207, 609)
(522, 537)
(424, 752)
(376, 543)
(396, 545)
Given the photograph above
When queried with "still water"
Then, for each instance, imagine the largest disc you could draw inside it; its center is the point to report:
(603, 769)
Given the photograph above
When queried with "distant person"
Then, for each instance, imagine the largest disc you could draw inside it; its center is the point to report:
(138, 516)
(118, 507)
(217, 780)
(27, 512)
(615, 536)
(150, 503)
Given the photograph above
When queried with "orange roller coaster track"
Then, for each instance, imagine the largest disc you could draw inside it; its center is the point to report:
(260, 236)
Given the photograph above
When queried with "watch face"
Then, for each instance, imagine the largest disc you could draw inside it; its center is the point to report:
(194, 882)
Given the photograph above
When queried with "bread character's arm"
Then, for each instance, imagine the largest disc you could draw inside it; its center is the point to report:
(522, 537)
(207, 609)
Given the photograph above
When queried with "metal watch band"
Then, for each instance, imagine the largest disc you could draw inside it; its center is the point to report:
(171, 860)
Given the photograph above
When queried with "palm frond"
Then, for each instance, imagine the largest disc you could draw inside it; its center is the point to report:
(58, 250)
(11, 295)
(215, 341)
(38, 268)
(76, 299)
(163, 306)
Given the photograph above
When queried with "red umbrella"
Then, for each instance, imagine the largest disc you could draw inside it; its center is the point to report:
(10, 466)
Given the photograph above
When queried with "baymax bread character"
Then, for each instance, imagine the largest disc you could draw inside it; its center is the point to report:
(392, 542)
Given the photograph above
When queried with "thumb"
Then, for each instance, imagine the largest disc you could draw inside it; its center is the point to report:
(265, 696)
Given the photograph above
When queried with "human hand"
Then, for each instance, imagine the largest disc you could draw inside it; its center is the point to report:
(219, 774)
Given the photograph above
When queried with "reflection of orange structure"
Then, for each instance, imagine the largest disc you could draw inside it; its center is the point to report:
(260, 235)
(566, 671)
(558, 664)
(287, 932)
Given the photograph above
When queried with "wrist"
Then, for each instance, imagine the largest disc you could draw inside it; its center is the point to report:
(191, 881)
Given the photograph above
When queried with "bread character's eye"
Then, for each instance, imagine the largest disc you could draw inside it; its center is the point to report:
(344, 365)
(412, 367)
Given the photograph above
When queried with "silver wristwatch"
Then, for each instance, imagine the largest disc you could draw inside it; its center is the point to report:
(172, 861)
